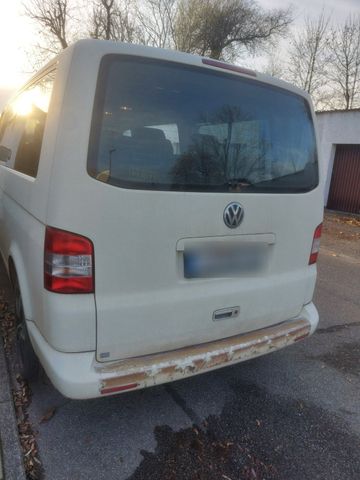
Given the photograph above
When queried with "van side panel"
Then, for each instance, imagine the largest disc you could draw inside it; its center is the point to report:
(22, 238)
(67, 324)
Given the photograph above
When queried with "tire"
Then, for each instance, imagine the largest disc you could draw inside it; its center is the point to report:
(27, 360)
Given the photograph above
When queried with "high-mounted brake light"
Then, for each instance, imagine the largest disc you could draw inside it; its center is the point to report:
(68, 262)
(228, 66)
(315, 245)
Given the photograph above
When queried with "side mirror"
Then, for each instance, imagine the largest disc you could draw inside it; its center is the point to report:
(5, 154)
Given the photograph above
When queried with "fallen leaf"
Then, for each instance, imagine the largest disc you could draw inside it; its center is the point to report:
(48, 415)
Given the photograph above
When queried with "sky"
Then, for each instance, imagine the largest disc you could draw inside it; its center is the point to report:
(17, 33)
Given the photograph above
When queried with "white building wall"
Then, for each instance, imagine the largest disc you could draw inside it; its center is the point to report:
(336, 128)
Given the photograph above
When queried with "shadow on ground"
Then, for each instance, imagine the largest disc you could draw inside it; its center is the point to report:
(257, 436)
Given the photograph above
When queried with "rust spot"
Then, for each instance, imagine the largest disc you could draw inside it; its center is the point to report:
(168, 370)
(218, 360)
(301, 337)
(199, 364)
(239, 353)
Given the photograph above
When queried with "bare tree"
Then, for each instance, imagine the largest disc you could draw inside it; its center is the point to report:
(344, 62)
(156, 20)
(275, 64)
(113, 20)
(57, 28)
(51, 15)
(188, 25)
(217, 28)
(307, 54)
(102, 19)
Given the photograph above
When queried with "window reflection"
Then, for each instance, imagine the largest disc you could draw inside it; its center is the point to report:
(187, 128)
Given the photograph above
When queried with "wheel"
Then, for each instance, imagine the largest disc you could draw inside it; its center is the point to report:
(26, 357)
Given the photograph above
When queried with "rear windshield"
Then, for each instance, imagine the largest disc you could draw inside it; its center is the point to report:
(165, 126)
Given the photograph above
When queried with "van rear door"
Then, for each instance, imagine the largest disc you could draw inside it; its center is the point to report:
(179, 153)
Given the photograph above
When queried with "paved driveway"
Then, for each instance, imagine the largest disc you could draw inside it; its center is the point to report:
(294, 414)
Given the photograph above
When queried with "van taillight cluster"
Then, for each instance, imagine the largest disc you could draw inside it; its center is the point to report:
(315, 245)
(68, 262)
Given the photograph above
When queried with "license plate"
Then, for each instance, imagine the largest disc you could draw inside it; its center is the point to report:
(224, 261)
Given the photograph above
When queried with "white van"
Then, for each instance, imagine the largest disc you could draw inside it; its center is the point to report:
(160, 216)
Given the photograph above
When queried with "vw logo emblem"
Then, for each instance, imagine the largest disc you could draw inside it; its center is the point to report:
(233, 215)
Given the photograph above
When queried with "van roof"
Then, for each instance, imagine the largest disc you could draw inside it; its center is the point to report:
(103, 47)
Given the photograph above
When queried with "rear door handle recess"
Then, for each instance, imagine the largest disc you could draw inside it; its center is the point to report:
(225, 313)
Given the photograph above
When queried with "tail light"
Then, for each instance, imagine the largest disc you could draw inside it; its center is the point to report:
(68, 262)
(228, 66)
(315, 245)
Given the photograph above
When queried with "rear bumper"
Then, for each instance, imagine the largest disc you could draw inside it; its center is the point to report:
(79, 375)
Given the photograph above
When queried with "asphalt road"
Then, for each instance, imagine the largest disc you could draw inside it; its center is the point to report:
(294, 414)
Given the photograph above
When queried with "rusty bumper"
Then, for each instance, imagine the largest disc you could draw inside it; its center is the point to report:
(140, 372)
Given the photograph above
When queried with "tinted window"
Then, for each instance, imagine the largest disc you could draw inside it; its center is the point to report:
(161, 125)
(23, 124)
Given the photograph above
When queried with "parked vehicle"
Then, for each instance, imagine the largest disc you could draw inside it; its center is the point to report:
(160, 216)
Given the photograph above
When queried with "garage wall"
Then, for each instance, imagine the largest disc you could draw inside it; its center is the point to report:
(336, 128)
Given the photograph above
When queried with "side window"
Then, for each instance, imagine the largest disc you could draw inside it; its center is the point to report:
(23, 125)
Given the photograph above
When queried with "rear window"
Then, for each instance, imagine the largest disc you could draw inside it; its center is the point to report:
(165, 126)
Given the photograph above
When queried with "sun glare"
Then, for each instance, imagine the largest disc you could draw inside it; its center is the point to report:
(24, 104)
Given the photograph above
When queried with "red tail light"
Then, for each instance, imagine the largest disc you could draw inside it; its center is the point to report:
(68, 262)
(315, 245)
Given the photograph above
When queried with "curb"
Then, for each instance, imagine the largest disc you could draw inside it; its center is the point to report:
(1, 465)
(11, 463)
